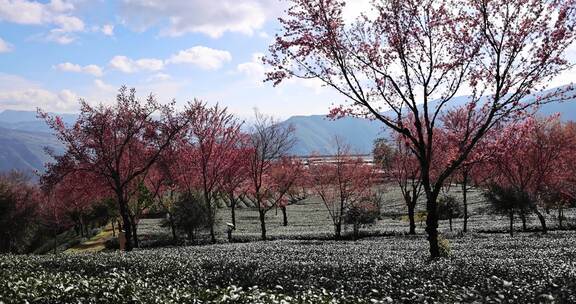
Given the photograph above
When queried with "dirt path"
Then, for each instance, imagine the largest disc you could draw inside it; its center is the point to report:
(95, 243)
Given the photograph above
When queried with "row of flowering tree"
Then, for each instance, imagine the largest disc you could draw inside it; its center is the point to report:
(142, 153)
(524, 166)
(410, 58)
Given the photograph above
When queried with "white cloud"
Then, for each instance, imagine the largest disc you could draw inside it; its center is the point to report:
(21, 94)
(127, 65)
(212, 18)
(199, 56)
(254, 69)
(150, 64)
(56, 13)
(159, 77)
(103, 86)
(122, 64)
(91, 69)
(69, 23)
(108, 29)
(5, 47)
(202, 57)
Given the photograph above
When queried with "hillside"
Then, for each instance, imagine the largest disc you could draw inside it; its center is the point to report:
(24, 150)
(315, 134)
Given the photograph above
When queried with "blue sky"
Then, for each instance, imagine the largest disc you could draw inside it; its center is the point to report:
(54, 52)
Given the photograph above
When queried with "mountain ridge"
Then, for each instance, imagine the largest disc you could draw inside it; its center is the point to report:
(23, 136)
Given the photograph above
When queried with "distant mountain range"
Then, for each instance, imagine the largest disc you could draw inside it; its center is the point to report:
(23, 136)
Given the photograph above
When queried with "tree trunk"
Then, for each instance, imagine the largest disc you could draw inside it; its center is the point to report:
(338, 230)
(191, 237)
(450, 221)
(233, 210)
(173, 228)
(523, 218)
(542, 219)
(262, 223)
(135, 233)
(411, 208)
(55, 234)
(81, 221)
(126, 223)
(432, 224)
(560, 217)
(284, 216)
(465, 201)
(356, 230)
(511, 215)
(113, 229)
(212, 234)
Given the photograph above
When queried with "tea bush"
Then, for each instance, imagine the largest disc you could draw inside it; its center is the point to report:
(489, 269)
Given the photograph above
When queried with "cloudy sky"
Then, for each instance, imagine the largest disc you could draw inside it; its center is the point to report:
(53, 52)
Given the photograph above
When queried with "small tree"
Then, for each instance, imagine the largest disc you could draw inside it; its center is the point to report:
(341, 183)
(364, 212)
(236, 176)
(190, 214)
(269, 141)
(406, 172)
(448, 209)
(383, 153)
(508, 200)
(211, 139)
(289, 184)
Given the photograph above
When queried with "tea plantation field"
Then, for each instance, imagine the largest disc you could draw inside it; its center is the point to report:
(303, 265)
(528, 268)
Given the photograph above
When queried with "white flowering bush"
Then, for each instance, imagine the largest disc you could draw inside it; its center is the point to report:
(487, 269)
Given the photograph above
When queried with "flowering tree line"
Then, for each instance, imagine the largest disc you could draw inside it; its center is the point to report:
(401, 63)
(133, 157)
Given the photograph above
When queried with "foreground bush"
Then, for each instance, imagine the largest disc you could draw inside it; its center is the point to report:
(525, 269)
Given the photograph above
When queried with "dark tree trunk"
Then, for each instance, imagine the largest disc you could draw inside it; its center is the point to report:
(55, 235)
(212, 212)
(262, 223)
(356, 230)
(135, 232)
(411, 219)
(212, 233)
(173, 228)
(523, 219)
(338, 230)
(284, 216)
(465, 201)
(126, 223)
(113, 229)
(542, 220)
(560, 217)
(511, 215)
(450, 221)
(81, 223)
(432, 223)
(233, 210)
(191, 237)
